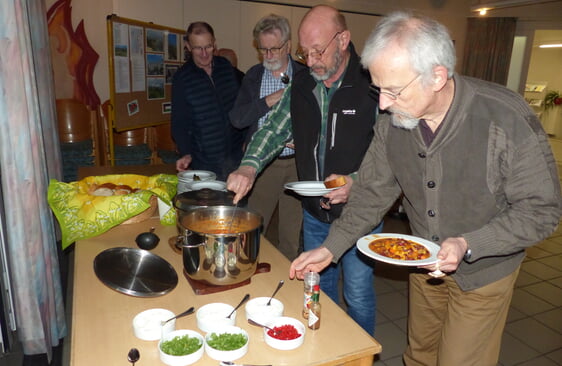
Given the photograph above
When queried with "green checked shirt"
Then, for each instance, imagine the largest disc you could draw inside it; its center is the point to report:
(276, 132)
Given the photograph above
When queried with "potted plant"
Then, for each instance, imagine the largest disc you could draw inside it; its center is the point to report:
(552, 99)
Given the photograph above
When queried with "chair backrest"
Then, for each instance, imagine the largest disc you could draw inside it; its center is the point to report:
(74, 121)
(134, 137)
(163, 138)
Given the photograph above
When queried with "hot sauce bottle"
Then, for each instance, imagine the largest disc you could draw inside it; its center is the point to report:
(310, 280)
(315, 309)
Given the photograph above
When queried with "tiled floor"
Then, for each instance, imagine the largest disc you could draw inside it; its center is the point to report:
(533, 333)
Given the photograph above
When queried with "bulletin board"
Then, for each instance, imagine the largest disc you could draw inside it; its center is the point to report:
(143, 58)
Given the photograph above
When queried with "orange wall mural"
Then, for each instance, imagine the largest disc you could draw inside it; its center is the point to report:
(74, 59)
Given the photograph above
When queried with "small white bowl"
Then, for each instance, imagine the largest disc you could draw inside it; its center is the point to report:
(232, 355)
(214, 315)
(147, 325)
(215, 185)
(258, 310)
(186, 359)
(289, 344)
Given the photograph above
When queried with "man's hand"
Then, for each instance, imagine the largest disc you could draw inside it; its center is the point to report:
(273, 98)
(313, 260)
(450, 255)
(241, 181)
(339, 195)
(183, 163)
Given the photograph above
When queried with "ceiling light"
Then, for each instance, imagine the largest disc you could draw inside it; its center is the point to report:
(552, 45)
(483, 11)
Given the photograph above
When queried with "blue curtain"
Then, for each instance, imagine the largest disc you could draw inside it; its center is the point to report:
(29, 158)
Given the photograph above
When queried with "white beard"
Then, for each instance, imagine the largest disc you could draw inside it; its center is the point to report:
(272, 65)
(403, 120)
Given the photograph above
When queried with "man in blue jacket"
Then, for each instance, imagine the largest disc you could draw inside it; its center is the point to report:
(203, 92)
(329, 113)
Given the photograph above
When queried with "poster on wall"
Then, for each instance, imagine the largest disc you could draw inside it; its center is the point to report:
(121, 58)
(172, 47)
(136, 42)
(154, 40)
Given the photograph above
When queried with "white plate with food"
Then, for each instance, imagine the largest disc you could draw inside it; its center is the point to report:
(309, 188)
(196, 175)
(399, 249)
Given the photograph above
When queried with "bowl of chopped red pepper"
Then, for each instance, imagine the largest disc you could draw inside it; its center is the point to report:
(285, 333)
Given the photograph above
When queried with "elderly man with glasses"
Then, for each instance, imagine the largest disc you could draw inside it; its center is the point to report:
(329, 114)
(203, 93)
(261, 89)
(479, 181)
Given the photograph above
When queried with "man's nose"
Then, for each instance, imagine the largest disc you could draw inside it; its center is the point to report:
(385, 101)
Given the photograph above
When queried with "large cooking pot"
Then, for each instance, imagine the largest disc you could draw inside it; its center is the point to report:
(216, 252)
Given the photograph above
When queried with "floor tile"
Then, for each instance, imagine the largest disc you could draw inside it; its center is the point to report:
(525, 279)
(547, 292)
(556, 356)
(392, 339)
(540, 270)
(514, 315)
(514, 350)
(552, 319)
(393, 305)
(536, 252)
(556, 281)
(395, 361)
(535, 334)
(554, 261)
(529, 304)
(551, 245)
(539, 361)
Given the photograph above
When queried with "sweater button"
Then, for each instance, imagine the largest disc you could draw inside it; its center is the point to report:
(421, 155)
(435, 238)
(431, 213)
(431, 184)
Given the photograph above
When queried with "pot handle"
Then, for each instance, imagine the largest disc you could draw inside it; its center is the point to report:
(180, 238)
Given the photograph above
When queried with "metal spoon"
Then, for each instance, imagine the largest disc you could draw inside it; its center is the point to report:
(241, 302)
(230, 363)
(274, 292)
(133, 355)
(253, 322)
(187, 312)
(285, 78)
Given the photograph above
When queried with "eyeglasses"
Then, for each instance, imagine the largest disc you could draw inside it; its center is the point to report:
(315, 54)
(199, 49)
(390, 95)
(273, 50)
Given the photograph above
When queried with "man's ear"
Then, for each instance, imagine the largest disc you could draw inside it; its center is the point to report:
(345, 38)
(440, 77)
(186, 44)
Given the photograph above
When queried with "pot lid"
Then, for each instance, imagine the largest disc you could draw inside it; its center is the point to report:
(135, 272)
(203, 198)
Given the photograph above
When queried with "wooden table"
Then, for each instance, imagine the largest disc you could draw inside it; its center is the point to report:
(102, 318)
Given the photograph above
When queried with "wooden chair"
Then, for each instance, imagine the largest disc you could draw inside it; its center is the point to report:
(164, 146)
(77, 127)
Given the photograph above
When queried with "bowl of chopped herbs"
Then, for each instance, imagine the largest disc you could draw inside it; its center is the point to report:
(181, 347)
(228, 343)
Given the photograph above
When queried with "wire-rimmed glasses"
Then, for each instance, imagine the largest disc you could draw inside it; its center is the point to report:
(377, 91)
(315, 54)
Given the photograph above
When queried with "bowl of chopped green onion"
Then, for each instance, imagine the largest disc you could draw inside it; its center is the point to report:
(228, 343)
(181, 347)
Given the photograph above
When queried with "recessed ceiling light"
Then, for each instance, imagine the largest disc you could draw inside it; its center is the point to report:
(552, 45)
(483, 11)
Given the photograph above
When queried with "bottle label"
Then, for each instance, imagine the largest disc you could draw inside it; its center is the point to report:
(312, 319)
(307, 301)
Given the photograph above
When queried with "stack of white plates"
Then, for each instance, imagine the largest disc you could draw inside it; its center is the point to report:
(187, 177)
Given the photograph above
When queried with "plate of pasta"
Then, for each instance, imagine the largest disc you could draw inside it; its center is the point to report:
(399, 249)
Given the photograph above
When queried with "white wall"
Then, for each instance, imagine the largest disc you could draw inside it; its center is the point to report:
(233, 21)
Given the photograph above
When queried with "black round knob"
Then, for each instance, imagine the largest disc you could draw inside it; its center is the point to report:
(147, 240)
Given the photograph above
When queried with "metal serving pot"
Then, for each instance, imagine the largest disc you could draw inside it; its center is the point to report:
(216, 252)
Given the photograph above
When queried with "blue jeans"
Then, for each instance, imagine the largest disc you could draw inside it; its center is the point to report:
(358, 276)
